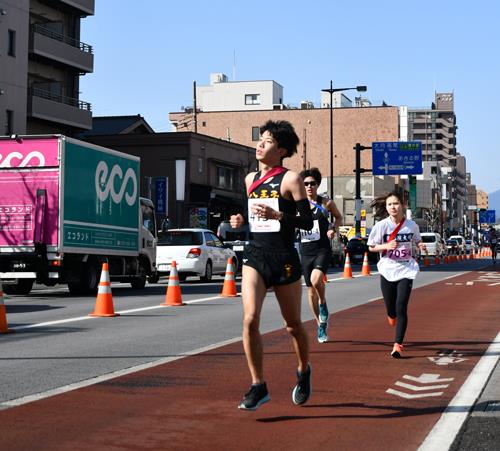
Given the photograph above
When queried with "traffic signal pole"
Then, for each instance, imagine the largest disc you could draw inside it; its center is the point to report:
(357, 200)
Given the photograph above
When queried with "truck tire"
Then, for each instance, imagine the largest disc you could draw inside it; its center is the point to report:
(23, 286)
(138, 282)
(208, 273)
(154, 278)
(90, 279)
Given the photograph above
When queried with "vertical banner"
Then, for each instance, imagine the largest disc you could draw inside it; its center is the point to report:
(161, 195)
(180, 179)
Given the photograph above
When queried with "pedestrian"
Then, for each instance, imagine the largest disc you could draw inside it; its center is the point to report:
(493, 240)
(275, 196)
(393, 238)
(316, 249)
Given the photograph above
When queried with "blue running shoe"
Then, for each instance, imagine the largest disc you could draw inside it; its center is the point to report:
(322, 336)
(323, 313)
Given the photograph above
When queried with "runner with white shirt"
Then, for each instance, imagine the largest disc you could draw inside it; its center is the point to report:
(393, 238)
(316, 250)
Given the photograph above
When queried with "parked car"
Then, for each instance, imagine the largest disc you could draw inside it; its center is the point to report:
(357, 248)
(338, 251)
(434, 244)
(471, 245)
(197, 252)
(452, 246)
(235, 239)
(461, 242)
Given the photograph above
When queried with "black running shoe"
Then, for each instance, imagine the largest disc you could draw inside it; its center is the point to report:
(255, 397)
(303, 389)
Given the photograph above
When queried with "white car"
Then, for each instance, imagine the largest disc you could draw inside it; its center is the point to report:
(434, 244)
(197, 252)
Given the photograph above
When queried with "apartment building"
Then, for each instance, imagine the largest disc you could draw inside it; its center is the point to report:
(436, 128)
(42, 59)
(350, 125)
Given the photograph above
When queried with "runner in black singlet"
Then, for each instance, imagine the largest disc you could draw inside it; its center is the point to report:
(316, 250)
(275, 196)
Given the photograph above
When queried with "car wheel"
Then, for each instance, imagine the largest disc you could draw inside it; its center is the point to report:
(208, 273)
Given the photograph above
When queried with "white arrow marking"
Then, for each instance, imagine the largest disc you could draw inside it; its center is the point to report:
(409, 396)
(426, 378)
(416, 388)
(493, 284)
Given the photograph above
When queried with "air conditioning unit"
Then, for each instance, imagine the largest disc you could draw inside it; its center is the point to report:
(278, 106)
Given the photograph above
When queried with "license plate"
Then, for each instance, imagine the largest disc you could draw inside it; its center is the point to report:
(164, 267)
(358, 256)
(237, 248)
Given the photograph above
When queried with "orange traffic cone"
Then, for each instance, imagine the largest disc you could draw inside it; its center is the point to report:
(229, 287)
(446, 259)
(173, 296)
(347, 267)
(325, 279)
(365, 269)
(104, 300)
(437, 260)
(4, 328)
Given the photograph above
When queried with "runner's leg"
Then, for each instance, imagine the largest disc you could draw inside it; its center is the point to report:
(253, 292)
(289, 299)
(404, 287)
(389, 292)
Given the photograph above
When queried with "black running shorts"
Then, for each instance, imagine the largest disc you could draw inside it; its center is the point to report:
(276, 267)
(321, 261)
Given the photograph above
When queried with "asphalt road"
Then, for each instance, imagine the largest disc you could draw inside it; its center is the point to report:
(57, 344)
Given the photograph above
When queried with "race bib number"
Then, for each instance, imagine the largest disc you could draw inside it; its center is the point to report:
(307, 236)
(261, 225)
(402, 252)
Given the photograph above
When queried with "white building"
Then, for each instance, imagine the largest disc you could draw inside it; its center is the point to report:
(225, 95)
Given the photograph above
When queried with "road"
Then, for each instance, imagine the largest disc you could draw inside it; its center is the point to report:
(57, 347)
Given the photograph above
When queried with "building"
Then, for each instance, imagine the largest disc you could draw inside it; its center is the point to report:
(225, 95)
(194, 180)
(42, 59)
(350, 125)
(117, 125)
(436, 128)
(482, 200)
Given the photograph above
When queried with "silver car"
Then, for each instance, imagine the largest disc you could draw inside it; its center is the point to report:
(197, 252)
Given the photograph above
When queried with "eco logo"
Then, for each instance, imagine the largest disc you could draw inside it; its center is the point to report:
(104, 185)
(8, 163)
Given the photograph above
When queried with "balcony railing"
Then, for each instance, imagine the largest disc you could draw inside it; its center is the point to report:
(48, 95)
(38, 28)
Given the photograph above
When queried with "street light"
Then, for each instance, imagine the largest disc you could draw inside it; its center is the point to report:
(331, 90)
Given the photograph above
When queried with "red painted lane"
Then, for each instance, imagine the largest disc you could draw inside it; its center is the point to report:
(190, 404)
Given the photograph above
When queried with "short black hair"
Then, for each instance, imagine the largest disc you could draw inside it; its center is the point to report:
(284, 133)
(312, 172)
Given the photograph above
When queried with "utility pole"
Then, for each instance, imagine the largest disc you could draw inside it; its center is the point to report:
(357, 200)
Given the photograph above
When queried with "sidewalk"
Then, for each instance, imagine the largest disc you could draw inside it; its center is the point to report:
(481, 431)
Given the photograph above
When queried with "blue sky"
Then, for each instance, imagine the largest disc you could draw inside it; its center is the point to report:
(147, 56)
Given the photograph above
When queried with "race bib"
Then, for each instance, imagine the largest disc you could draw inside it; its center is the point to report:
(401, 253)
(261, 225)
(307, 236)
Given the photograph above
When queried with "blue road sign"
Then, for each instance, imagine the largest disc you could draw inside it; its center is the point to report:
(161, 195)
(397, 158)
(487, 216)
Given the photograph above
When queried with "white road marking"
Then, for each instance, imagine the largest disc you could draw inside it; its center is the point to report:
(446, 429)
(410, 396)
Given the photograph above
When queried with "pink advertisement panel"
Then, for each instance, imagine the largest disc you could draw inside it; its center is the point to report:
(36, 152)
(29, 205)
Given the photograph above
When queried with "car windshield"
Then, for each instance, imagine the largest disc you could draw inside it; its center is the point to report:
(180, 238)
(453, 242)
(428, 238)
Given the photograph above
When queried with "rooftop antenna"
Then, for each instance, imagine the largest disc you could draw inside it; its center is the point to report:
(234, 65)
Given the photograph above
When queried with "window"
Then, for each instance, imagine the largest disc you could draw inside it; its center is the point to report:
(9, 122)
(252, 99)
(255, 133)
(148, 218)
(225, 177)
(11, 46)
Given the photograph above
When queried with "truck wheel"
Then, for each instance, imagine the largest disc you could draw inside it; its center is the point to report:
(23, 286)
(154, 279)
(138, 282)
(90, 278)
(208, 273)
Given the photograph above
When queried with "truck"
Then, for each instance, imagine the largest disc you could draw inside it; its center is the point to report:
(66, 207)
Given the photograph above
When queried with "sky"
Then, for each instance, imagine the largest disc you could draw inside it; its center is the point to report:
(147, 55)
